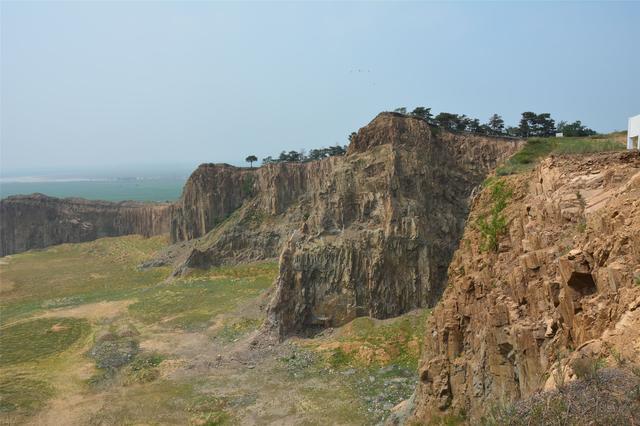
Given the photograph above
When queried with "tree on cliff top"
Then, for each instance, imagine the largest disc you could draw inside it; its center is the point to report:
(448, 121)
(536, 125)
(422, 112)
(250, 159)
(575, 129)
(496, 124)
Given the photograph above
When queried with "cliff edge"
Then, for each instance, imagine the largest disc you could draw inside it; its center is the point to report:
(562, 287)
(368, 233)
(38, 221)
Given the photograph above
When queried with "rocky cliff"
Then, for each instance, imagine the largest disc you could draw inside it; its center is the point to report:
(211, 194)
(38, 221)
(374, 230)
(563, 285)
(231, 214)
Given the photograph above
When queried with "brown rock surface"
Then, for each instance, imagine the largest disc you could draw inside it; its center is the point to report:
(376, 228)
(211, 194)
(566, 286)
(38, 221)
(263, 207)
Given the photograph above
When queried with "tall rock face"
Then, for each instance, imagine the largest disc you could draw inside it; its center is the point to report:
(38, 221)
(374, 230)
(383, 225)
(261, 208)
(211, 194)
(563, 285)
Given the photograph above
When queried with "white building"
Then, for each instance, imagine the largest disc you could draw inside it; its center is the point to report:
(633, 133)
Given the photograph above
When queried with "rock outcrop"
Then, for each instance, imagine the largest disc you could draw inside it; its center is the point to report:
(38, 221)
(563, 285)
(262, 207)
(374, 230)
(211, 194)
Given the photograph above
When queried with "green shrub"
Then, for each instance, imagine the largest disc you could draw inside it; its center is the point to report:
(247, 185)
(494, 225)
(339, 358)
(587, 368)
(143, 369)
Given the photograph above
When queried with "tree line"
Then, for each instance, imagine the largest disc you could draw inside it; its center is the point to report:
(301, 156)
(530, 125)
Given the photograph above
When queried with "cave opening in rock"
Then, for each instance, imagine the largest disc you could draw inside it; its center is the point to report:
(582, 282)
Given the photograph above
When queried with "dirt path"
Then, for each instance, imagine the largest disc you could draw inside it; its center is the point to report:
(90, 311)
(68, 410)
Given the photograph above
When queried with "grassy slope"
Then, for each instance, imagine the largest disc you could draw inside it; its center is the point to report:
(538, 148)
(191, 303)
(377, 359)
(76, 274)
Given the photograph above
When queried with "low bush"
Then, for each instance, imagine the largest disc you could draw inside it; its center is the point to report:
(607, 397)
(494, 225)
(143, 369)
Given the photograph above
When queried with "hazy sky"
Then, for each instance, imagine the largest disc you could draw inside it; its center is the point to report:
(101, 84)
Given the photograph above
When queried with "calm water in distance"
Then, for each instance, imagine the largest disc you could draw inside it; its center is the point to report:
(140, 185)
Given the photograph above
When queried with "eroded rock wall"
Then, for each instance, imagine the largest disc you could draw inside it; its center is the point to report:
(210, 195)
(38, 221)
(382, 227)
(368, 233)
(564, 284)
(263, 207)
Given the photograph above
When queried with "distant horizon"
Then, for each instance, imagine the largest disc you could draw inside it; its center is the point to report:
(79, 172)
(107, 172)
(120, 84)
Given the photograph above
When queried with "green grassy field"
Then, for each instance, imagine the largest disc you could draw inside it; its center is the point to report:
(366, 342)
(87, 338)
(537, 148)
(190, 303)
(76, 274)
(22, 395)
(61, 303)
(375, 359)
(39, 338)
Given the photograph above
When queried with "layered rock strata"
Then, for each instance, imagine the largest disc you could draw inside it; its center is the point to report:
(563, 285)
(374, 230)
(38, 221)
